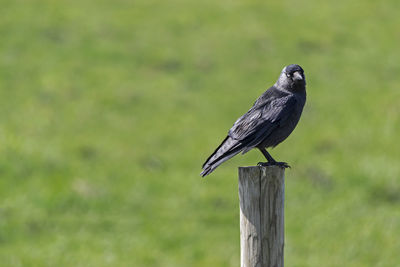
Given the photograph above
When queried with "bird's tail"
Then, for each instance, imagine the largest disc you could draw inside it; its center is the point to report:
(226, 150)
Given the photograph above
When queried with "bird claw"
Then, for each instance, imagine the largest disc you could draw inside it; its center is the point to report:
(283, 165)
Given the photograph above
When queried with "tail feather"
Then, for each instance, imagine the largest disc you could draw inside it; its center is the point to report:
(226, 150)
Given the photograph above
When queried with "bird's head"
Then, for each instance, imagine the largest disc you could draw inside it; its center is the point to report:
(292, 78)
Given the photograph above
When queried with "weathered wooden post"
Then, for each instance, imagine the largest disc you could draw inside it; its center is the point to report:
(261, 196)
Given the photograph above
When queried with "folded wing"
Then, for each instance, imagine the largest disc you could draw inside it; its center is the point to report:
(261, 120)
(251, 129)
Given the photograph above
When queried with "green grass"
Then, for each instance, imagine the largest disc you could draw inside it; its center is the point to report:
(109, 108)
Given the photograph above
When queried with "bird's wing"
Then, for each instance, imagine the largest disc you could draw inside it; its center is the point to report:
(254, 126)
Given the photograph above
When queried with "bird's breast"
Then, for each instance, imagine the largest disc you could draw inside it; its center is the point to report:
(284, 129)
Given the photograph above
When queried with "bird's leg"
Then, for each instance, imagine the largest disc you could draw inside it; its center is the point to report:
(267, 155)
(271, 160)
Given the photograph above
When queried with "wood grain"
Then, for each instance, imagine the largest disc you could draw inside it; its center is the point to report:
(261, 196)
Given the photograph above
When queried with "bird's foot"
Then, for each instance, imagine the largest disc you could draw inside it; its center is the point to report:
(275, 163)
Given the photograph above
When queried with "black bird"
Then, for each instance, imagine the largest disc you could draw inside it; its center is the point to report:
(270, 120)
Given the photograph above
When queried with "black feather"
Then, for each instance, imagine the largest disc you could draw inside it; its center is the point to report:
(272, 118)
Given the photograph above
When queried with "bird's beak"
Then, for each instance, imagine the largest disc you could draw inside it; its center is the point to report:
(297, 76)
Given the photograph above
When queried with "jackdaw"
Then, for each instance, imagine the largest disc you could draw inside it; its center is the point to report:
(271, 120)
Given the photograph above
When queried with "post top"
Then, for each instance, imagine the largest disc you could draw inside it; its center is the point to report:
(261, 167)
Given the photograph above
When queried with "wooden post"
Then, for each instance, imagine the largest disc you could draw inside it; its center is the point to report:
(261, 196)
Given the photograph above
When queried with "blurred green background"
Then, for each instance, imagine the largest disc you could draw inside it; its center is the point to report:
(109, 108)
